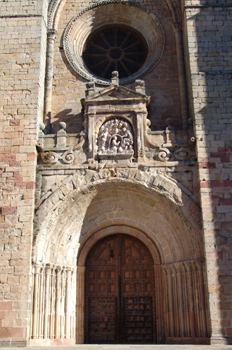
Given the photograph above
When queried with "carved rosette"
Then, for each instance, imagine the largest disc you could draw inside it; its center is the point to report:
(115, 137)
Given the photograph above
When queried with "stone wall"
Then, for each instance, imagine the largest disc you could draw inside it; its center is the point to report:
(162, 83)
(23, 57)
(23, 45)
(208, 30)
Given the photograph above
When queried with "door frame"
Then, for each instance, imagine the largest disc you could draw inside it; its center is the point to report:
(80, 285)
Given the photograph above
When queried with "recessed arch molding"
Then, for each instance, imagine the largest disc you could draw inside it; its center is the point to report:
(91, 204)
(65, 210)
(55, 8)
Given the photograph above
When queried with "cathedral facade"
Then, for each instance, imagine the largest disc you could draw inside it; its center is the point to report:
(116, 184)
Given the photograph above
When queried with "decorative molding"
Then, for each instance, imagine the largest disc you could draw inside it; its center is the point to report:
(185, 301)
(49, 158)
(175, 9)
(164, 154)
(183, 153)
(157, 181)
(53, 302)
(169, 154)
(152, 32)
(173, 5)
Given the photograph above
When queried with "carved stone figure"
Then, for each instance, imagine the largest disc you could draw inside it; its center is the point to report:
(115, 136)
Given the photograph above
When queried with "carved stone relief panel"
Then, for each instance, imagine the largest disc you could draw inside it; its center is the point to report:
(115, 137)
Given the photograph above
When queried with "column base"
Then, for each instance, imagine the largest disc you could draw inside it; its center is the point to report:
(14, 342)
(219, 340)
(188, 340)
(52, 342)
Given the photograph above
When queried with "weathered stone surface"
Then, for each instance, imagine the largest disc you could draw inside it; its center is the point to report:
(157, 175)
(23, 36)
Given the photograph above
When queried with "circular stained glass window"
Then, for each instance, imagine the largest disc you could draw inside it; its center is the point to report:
(115, 48)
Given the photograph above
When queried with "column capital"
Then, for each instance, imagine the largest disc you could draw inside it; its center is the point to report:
(51, 34)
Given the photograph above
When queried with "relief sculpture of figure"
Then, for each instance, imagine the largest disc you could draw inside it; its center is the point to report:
(127, 138)
(115, 144)
(115, 136)
(102, 139)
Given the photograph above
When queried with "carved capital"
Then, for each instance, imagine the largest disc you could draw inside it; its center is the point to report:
(52, 33)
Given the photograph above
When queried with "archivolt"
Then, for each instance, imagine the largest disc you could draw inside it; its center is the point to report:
(85, 203)
(56, 6)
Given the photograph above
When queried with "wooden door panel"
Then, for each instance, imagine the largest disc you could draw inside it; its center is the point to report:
(102, 323)
(119, 292)
(137, 320)
(137, 292)
(104, 253)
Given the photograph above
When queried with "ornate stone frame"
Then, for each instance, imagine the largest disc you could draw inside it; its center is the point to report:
(115, 102)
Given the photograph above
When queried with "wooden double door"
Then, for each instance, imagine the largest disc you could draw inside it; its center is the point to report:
(119, 292)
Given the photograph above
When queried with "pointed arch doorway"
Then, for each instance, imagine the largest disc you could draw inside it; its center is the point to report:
(120, 297)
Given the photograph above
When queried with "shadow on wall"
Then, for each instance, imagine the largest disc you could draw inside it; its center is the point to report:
(210, 69)
(74, 122)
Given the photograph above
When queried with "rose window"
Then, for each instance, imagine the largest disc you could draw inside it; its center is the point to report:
(115, 48)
